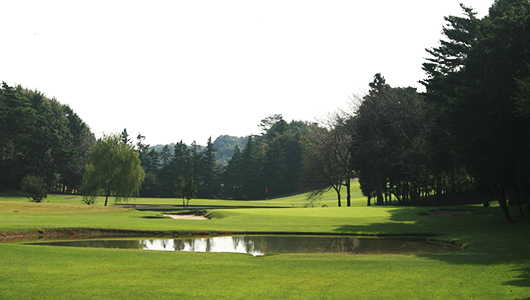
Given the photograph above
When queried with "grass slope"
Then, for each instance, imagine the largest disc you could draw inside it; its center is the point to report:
(494, 265)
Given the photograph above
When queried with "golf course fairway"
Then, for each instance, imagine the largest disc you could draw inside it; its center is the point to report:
(493, 262)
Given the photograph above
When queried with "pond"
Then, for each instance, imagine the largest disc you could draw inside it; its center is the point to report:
(267, 244)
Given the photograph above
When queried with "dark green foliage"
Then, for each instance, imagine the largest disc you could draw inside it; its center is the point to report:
(42, 137)
(208, 177)
(187, 190)
(272, 161)
(163, 169)
(113, 170)
(35, 187)
(232, 177)
(252, 186)
(478, 80)
(125, 138)
(392, 149)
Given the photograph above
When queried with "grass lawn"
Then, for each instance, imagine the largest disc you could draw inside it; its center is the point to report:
(495, 263)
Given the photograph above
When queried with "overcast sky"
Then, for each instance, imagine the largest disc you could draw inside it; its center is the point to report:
(188, 70)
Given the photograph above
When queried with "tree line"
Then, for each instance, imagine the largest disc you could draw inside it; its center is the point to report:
(41, 138)
(478, 83)
(270, 164)
(467, 136)
(45, 145)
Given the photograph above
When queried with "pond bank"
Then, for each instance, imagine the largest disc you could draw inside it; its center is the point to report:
(58, 233)
(50, 233)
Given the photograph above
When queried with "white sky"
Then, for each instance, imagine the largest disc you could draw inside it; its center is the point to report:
(188, 70)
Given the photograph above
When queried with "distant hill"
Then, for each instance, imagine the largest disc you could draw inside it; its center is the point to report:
(224, 144)
(225, 147)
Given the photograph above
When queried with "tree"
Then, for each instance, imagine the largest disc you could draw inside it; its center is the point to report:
(392, 147)
(17, 128)
(41, 137)
(209, 173)
(187, 190)
(76, 152)
(369, 149)
(324, 161)
(445, 65)
(35, 187)
(114, 169)
(492, 132)
(125, 138)
(232, 176)
(482, 101)
(281, 150)
(251, 171)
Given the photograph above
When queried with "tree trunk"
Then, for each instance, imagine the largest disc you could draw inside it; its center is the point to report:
(438, 192)
(338, 194)
(501, 198)
(379, 194)
(348, 192)
(398, 198)
(453, 185)
(518, 200)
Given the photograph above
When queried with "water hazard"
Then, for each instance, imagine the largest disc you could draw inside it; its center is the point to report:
(262, 245)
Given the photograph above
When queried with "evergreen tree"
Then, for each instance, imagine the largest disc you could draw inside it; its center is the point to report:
(40, 137)
(209, 173)
(232, 176)
(481, 99)
(252, 185)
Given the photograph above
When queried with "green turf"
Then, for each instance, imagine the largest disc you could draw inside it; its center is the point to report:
(495, 263)
(329, 199)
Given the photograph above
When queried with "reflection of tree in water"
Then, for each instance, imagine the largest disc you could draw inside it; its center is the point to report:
(180, 244)
(163, 243)
(252, 244)
(316, 244)
(192, 244)
(312, 244)
(296, 244)
(209, 242)
(122, 244)
(276, 244)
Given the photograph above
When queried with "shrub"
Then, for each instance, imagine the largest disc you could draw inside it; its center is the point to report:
(88, 200)
(35, 187)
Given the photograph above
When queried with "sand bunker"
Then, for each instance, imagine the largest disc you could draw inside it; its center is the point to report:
(186, 217)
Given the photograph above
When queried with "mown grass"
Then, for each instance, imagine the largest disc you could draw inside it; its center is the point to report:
(329, 199)
(494, 265)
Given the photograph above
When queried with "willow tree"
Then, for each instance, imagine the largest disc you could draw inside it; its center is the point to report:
(113, 170)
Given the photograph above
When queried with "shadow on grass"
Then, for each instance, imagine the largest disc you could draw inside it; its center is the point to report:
(485, 234)
(523, 280)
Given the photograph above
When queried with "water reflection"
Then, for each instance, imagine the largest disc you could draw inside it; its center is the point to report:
(260, 245)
